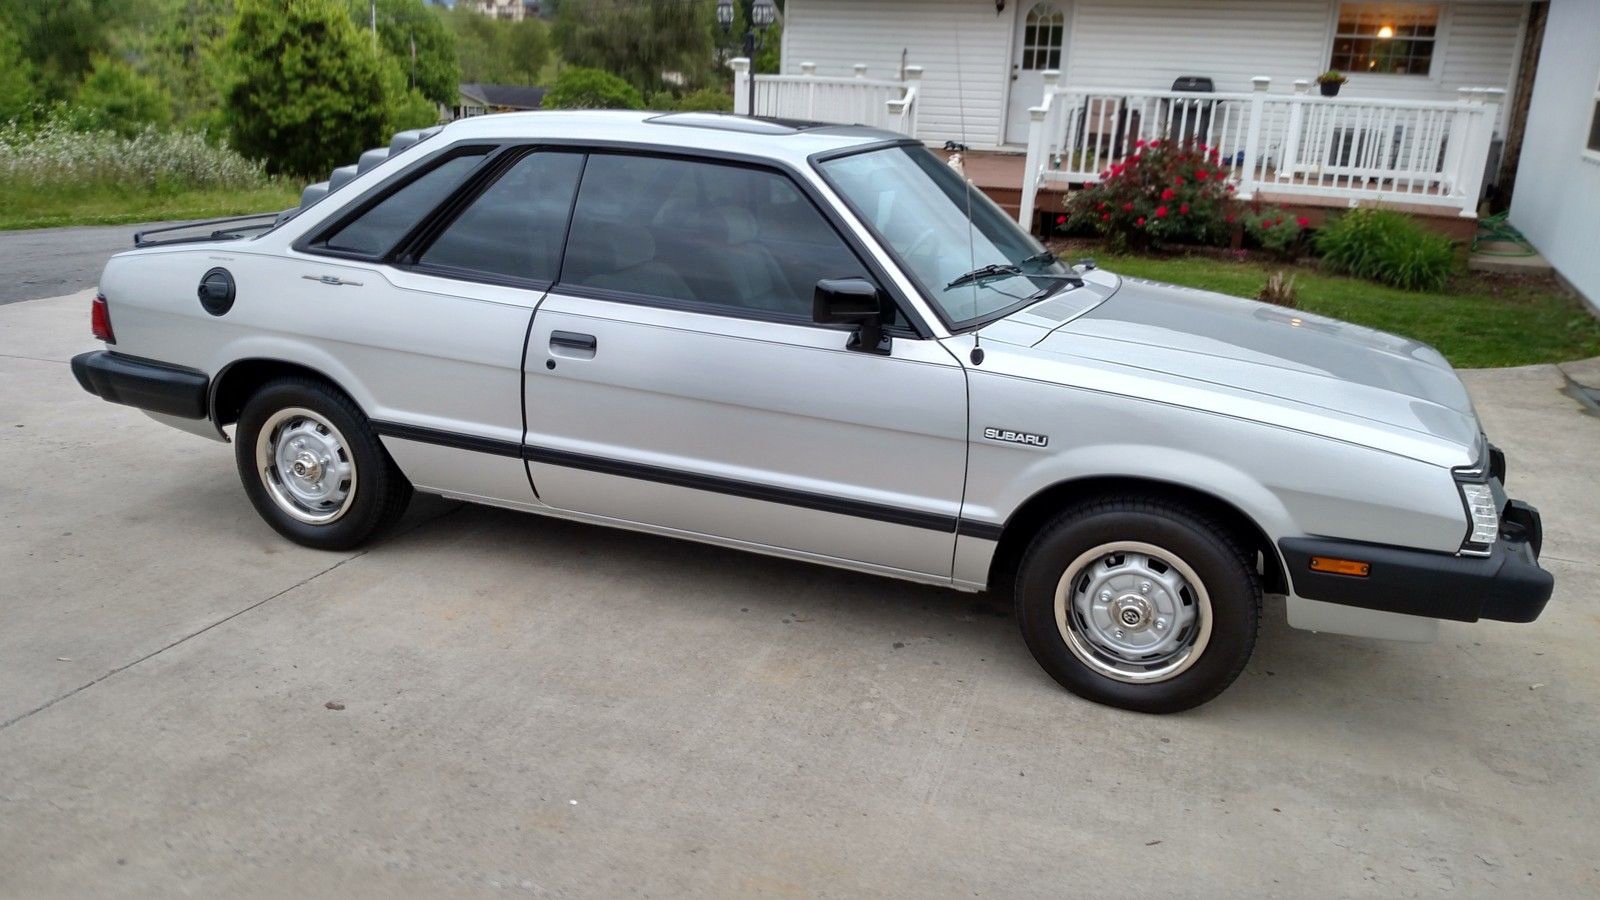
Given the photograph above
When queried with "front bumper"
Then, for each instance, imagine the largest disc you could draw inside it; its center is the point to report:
(150, 386)
(1506, 586)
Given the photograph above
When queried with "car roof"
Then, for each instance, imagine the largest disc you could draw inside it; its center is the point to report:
(786, 139)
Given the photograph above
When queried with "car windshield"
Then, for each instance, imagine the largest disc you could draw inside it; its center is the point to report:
(918, 206)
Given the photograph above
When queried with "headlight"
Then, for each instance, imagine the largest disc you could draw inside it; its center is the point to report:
(1485, 518)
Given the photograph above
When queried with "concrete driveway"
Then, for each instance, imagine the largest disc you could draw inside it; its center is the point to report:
(532, 707)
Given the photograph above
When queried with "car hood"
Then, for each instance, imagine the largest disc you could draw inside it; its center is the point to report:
(1262, 361)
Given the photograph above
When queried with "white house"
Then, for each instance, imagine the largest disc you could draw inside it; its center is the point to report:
(984, 59)
(1557, 199)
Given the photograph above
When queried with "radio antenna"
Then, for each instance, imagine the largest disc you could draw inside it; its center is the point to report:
(972, 252)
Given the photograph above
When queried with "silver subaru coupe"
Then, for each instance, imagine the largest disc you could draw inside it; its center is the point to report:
(820, 342)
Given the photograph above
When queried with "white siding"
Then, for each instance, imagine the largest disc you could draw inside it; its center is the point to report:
(837, 34)
(1133, 44)
(1557, 200)
(1148, 43)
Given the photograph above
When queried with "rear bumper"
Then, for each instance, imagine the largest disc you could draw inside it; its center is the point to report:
(1506, 586)
(150, 386)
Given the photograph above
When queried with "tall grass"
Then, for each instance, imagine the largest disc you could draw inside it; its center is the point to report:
(56, 174)
(54, 157)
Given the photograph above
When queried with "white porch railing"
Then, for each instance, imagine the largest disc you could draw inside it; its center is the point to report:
(1299, 144)
(857, 100)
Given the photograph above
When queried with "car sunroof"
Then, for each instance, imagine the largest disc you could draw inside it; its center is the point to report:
(731, 122)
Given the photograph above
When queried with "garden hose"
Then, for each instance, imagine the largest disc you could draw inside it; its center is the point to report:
(1497, 229)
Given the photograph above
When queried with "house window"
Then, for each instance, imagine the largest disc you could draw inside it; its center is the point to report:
(1042, 33)
(1385, 38)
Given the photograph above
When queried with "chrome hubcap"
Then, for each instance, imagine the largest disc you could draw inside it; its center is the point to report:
(1133, 612)
(305, 465)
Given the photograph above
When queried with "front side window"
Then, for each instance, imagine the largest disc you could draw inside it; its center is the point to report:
(516, 226)
(701, 233)
(1385, 38)
(918, 207)
(377, 230)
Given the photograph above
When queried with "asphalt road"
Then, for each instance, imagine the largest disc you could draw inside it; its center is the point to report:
(493, 704)
(49, 262)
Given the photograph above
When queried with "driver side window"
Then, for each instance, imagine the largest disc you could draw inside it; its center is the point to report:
(702, 233)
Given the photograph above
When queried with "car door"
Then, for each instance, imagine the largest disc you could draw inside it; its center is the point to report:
(429, 291)
(674, 378)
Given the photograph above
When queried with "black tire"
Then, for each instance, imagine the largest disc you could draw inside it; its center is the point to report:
(378, 494)
(1225, 570)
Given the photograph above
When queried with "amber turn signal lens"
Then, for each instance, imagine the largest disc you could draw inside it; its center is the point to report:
(1340, 566)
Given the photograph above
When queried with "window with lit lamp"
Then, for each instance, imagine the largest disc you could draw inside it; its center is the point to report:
(1385, 38)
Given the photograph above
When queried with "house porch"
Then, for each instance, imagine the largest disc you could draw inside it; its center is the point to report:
(1000, 176)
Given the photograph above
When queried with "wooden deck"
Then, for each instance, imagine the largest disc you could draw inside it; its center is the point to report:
(999, 175)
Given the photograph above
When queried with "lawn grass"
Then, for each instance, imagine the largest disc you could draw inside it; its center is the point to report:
(23, 207)
(1480, 320)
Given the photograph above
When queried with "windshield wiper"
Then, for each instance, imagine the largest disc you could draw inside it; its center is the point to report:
(1007, 270)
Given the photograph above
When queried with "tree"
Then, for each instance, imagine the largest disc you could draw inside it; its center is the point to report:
(61, 37)
(417, 40)
(116, 97)
(496, 51)
(640, 40)
(181, 46)
(307, 91)
(580, 88)
(17, 91)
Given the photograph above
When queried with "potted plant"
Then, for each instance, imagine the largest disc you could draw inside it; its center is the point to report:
(1330, 81)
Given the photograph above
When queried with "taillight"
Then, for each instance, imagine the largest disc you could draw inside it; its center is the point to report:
(100, 320)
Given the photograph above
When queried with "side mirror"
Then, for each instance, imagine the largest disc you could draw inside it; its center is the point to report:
(855, 301)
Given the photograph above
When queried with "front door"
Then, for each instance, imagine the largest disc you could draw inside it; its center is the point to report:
(674, 377)
(1039, 45)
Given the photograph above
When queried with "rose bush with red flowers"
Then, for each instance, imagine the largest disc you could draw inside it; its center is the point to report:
(1166, 192)
(1276, 231)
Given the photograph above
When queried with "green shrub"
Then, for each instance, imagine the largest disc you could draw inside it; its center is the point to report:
(115, 97)
(18, 94)
(705, 100)
(1276, 231)
(1163, 192)
(307, 92)
(580, 88)
(1387, 247)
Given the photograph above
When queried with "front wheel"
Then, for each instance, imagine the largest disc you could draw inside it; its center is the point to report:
(1140, 604)
(313, 468)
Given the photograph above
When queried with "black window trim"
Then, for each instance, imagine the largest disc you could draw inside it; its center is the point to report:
(314, 242)
(965, 326)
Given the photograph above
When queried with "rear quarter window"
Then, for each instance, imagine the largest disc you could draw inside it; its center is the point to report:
(376, 231)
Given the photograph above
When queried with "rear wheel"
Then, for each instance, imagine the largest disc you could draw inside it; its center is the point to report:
(1140, 604)
(313, 468)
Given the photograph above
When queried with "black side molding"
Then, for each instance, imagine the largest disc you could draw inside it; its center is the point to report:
(804, 499)
(1507, 585)
(156, 387)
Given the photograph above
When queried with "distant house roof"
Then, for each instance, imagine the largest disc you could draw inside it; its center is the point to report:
(503, 96)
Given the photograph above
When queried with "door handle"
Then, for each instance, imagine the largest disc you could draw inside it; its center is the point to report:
(572, 340)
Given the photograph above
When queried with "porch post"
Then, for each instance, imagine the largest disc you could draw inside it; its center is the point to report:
(1291, 150)
(1479, 130)
(1252, 141)
(1031, 166)
(1051, 153)
(741, 85)
(913, 98)
(809, 70)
